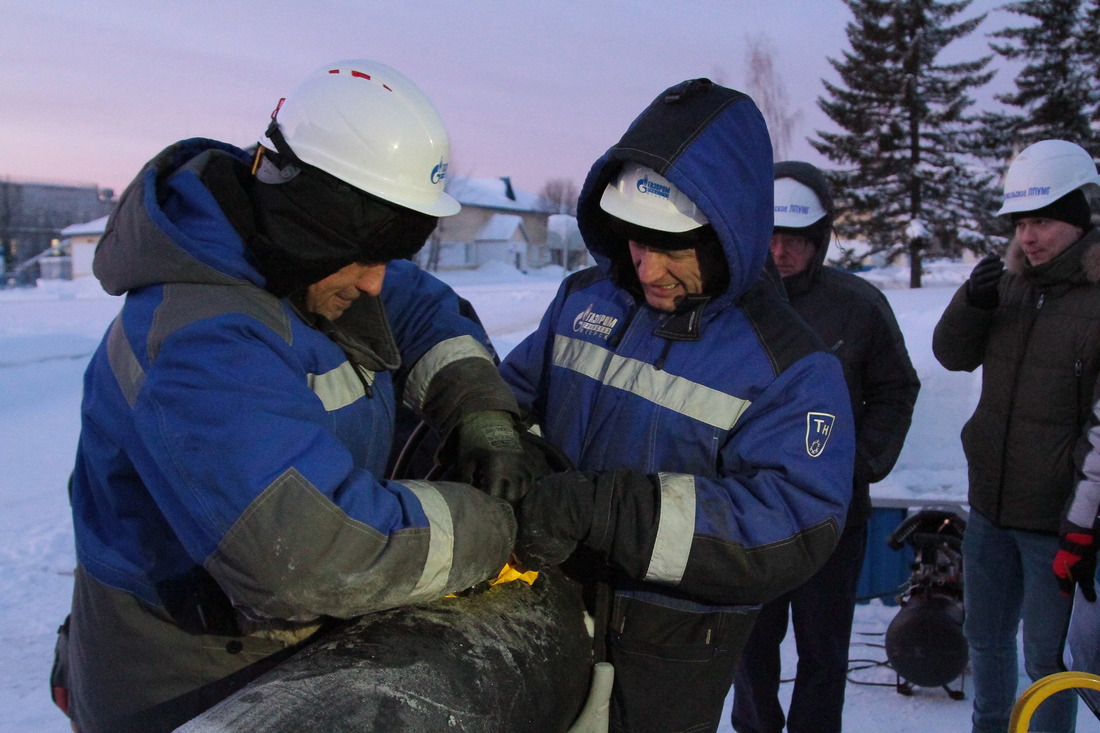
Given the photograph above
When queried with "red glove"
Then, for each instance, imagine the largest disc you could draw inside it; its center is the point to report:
(1075, 563)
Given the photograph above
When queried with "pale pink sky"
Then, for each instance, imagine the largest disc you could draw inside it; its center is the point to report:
(534, 89)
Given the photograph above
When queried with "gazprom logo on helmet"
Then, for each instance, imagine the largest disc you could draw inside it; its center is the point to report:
(652, 187)
(439, 172)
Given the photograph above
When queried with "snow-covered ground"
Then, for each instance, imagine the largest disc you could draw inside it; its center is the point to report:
(47, 334)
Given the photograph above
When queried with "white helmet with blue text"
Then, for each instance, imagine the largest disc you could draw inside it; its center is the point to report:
(642, 196)
(796, 205)
(1045, 172)
(370, 126)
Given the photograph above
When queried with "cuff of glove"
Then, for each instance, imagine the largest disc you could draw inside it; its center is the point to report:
(1078, 542)
(492, 429)
(464, 388)
(601, 532)
(496, 428)
(626, 509)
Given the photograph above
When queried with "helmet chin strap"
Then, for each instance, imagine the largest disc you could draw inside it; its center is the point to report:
(275, 135)
(283, 164)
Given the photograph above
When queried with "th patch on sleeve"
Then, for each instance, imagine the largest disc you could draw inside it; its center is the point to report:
(819, 425)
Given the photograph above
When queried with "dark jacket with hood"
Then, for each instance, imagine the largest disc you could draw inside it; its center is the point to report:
(856, 323)
(732, 423)
(1039, 351)
(229, 488)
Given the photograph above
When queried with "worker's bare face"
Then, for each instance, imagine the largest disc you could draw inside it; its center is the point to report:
(791, 252)
(1044, 239)
(666, 275)
(335, 294)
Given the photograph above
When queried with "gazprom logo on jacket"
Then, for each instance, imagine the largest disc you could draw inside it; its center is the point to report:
(594, 324)
(819, 426)
(439, 172)
(652, 187)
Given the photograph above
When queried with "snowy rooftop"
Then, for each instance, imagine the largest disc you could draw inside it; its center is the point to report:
(93, 227)
(499, 228)
(493, 193)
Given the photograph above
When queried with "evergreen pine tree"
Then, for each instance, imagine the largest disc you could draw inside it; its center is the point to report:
(1057, 91)
(906, 183)
(1090, 51)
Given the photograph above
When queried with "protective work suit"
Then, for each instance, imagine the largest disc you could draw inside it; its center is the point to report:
(714, 442)
(228, 494)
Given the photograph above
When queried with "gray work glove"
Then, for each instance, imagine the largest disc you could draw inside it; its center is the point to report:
(488, 454)
(981, 288)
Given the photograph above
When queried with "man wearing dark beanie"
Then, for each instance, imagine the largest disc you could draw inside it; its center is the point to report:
(1073, 208)
(1033, 325)
(230, 491)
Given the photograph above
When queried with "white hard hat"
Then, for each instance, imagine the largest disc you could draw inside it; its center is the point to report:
(642, 196)
(1045, 172)
(796, 205)
(370, 126)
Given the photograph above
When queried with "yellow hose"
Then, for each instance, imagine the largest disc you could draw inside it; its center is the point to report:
(1041, 689)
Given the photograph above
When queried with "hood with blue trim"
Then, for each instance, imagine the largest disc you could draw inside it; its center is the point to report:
(711, 142)
(169, 227)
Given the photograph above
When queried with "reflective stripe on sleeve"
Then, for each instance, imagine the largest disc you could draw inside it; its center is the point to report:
(124, 364)
(679, 394)
(437, 566)
(439, 356)
(675, 529)
(339, 387)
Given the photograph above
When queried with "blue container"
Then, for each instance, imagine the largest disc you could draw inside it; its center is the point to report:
(884, 570)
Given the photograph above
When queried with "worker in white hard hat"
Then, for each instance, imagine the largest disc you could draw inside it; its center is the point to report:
(229, 490)
(711, 432)
(856, 323)
(1032, 323)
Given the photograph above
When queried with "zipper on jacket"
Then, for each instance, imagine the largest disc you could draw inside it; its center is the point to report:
(1025, 341)
(660, 363)
(363, 379)
(617, 337)
(1078, 370)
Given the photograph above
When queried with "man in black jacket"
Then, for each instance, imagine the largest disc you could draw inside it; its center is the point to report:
(1032, 323)
(855, 321)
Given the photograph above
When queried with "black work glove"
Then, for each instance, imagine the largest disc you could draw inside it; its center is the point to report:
(614, 513)
(555, 517)
(1075, 564)
(981, 288)
(489, 455)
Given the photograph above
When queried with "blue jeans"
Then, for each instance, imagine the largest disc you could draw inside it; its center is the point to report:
(1007, 578)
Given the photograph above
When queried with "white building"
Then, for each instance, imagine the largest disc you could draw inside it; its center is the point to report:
(79, 241)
